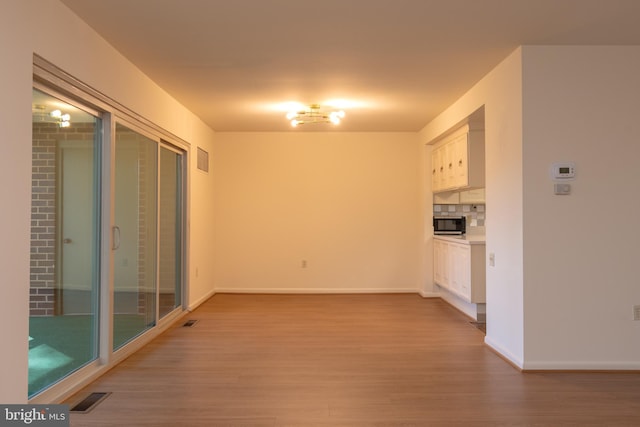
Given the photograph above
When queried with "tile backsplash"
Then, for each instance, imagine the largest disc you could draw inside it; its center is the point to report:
(475, 213)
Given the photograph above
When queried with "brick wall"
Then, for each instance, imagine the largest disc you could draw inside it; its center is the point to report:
(44, 207)
(43, 219)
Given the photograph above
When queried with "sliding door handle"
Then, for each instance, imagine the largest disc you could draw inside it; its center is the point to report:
(115, 238)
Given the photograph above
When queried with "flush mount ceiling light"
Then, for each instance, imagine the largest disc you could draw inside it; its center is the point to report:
(314, 114)
(55, 116)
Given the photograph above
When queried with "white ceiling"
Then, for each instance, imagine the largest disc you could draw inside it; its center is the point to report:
(399, 62)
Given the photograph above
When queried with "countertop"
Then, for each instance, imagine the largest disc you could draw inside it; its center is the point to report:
(467, 239)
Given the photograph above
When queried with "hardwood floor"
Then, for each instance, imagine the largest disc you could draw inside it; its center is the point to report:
(344, 360)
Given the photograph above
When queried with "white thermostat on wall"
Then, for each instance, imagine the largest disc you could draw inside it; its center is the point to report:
(563, 170)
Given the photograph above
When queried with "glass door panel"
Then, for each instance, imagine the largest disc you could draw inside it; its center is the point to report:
(65, 240)
(135, 234)
(170, 250)
(145, 252)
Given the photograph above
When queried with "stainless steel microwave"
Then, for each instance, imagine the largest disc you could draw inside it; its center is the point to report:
(449, 225)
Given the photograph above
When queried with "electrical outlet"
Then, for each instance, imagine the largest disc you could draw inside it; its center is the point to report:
(636, 312)
(492, 259)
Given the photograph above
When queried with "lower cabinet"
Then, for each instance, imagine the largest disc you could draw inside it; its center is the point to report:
(460, 268)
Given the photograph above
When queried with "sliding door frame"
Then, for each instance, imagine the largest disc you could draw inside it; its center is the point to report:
(51, 79)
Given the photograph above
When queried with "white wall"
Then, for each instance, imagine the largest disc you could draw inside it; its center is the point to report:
(581, 266)
(347, 203)
(561, 293)
(48, 29)
(15, 193)
(500, 92)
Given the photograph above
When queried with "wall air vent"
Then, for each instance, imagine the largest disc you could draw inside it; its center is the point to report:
(636, 312)
(203, 160)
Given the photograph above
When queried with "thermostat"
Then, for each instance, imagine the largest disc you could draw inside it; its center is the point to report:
(564, 170)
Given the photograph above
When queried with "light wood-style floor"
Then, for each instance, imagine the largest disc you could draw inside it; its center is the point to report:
(344, 360)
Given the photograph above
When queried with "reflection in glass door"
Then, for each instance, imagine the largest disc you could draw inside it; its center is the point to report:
(134, 235)
(65, 240)
(170, 229)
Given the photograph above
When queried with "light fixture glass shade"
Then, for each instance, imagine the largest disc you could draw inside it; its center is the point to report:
(314, 114)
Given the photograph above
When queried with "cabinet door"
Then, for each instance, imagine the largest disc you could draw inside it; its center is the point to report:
(455, 267)
(441, 171)
(464, 275)
(437, 263)
(460, 256)
(446, 265)
(435, 169)
(441, 263)
(450, 170)
(461, 161)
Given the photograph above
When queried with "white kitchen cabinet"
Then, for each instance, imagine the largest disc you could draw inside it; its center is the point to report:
(460, 268)
(440, 262)
(438, 181)
(458, 161)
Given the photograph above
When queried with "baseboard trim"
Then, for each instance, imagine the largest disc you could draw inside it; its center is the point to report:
(596, 367)
(315, 291)
(503, 353)
(430, 294)
(632, 367)
(201, 300)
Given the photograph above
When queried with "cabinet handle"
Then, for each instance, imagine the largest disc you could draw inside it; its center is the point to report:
(450, 165)
(460, 162)
(434, 172)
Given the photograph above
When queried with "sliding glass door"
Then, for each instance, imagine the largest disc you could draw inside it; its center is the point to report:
(65, 238)
(107, 237)
(134, 234)
(170, 270)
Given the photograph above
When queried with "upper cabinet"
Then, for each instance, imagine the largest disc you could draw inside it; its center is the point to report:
(458, 161)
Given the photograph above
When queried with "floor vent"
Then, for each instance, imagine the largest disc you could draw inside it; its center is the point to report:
(89, 402)
(189, 323)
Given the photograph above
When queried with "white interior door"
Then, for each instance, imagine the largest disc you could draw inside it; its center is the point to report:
(76, 226)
